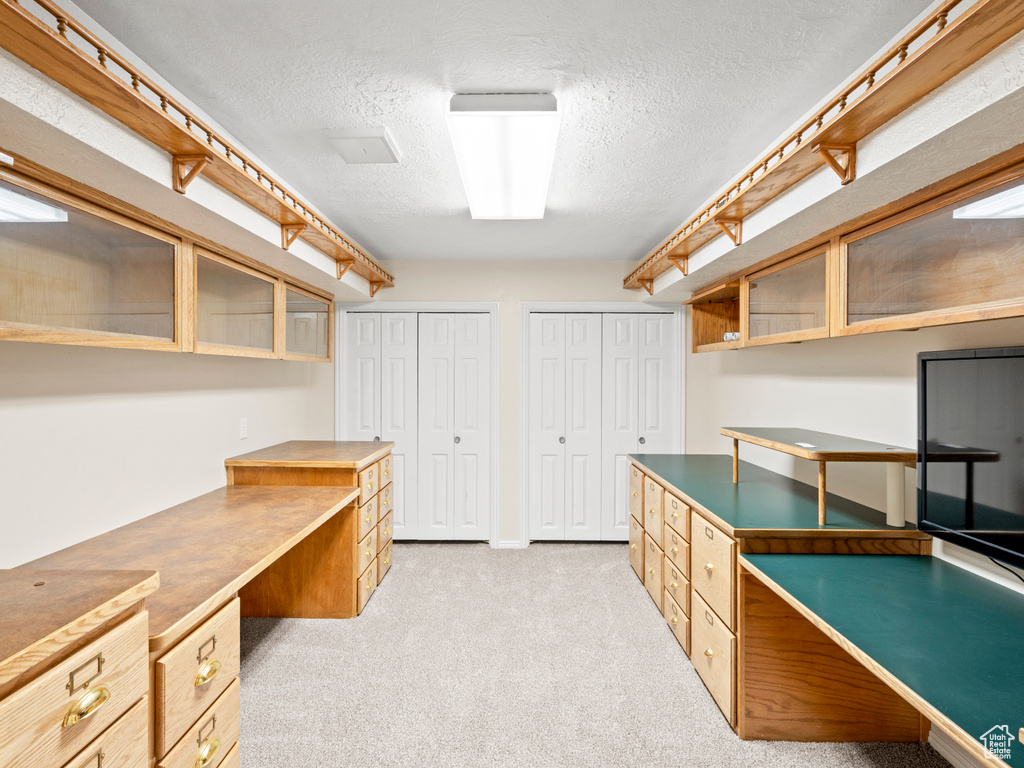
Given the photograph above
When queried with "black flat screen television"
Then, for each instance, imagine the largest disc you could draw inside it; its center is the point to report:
(971, 449)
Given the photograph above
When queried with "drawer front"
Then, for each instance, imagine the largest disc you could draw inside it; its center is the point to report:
(636, 492)
(366, 551)
(712, 651)
(125, 744)
(654, 507)
(97, 685)
(366, 584)
(678, 622)
(384, 561)
(677, 514)
(369, 482)
(385, 500)
(713, 566)
(636, 547)
(677, 585)
(212, 736)
(367, 517)
(677, 550)
(384, 472)
(384, 530)
(652, 569)
(179, 701)
(232, 759)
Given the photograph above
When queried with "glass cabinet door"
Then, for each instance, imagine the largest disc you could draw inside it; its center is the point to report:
(234, 308)
(789, 301)
(307, 325)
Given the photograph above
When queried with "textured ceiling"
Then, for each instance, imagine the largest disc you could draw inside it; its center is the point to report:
(663, 101)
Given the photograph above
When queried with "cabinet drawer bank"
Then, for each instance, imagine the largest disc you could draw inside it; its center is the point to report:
(359, 536)
(74, 670)
(690, 504)
(206, 552)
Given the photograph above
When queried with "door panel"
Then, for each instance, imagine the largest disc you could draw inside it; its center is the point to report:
(659, 377)
(436, 425)
(471, 400)
(620, 426)
(361, 375)
(398, 414)
(546, 398)
(582, 430)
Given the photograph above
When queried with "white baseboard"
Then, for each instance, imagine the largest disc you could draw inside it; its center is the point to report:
(953, 752)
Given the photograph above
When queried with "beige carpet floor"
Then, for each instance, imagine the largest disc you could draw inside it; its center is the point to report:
(468, 656)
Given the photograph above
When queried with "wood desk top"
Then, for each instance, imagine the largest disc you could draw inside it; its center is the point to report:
(761, 501)
(821, 446)
(206, 548)
(949, 642)
(315, 453)
(42, 611)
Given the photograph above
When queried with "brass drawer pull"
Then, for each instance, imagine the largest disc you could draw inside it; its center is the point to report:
(369, 518)
(387, 531)
(651, 572)
(207, 752)
(387, 561)
(674, 620)
(369, 585)
(633, 547)
(368, 552)
(387, 473)
(709, 567)
(674, 550)
(674, 585)
(87, 703)
(369, 486)
(635, 493)
(675, 515)
(708, 652)
(207, 672)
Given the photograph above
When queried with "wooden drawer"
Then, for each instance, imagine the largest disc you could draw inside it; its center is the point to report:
(385, 500)
(179, 702)
(384, 561)
(111, 673)
(367, 517)
(677, 514)
(652, 569)
(366, 551)
(636, 493)
(678, 622)
(384, 530)
(713, 566)
(636, 547)
(125, 744)
(212, 736)
(654, 507)
(232, 759)
(384, 472)
(677, 550)
(713, 651)
(676, 585)
(369, 482)
(365, 586)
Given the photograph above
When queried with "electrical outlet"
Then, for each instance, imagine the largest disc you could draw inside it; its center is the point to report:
(243, 429)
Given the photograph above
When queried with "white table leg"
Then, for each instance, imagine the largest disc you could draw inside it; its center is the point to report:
(895, 514)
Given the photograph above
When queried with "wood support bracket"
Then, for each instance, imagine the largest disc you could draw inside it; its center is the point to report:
(841, 158)
(647, 285)
(733, 228)
(345, 266)
(374, 287)
(185, 168)
(682, 263)
(290, 233)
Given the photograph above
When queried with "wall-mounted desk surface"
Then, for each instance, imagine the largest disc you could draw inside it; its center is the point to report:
(949, 642)
(761, 500)
(820, 446)
(315, 453)
(206, 548)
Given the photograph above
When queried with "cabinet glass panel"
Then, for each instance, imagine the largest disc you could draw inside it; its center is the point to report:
(67, 270)
(235, 308)
(789, 300)
(307, 325)
(969, 252)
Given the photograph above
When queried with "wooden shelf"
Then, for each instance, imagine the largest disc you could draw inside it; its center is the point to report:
(716, 312)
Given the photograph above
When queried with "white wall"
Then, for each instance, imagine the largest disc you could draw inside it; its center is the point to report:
(91, 438)
(510, 284)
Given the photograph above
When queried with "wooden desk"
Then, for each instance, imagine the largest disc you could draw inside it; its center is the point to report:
(949, 643)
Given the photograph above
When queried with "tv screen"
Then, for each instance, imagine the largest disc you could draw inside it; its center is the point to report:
(971, 449)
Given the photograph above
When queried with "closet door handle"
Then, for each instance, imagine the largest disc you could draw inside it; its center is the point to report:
(458, 439)
(376, 438)
(561, 440)
(642, 441)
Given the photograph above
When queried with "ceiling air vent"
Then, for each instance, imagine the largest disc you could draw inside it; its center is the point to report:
(366, 145)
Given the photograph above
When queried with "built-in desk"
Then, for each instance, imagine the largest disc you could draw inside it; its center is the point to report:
(948, 642)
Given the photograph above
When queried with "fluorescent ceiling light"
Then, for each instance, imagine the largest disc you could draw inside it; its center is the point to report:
(505, 146)
(15, 207)
(1008, 204)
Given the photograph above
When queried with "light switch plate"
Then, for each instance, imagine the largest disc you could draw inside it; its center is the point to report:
(359, 146)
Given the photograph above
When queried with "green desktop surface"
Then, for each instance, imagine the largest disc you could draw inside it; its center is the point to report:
(954, 638)
(761, 499)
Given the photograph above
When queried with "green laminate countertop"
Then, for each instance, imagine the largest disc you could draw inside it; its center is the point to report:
(953, 638)
(761, 500)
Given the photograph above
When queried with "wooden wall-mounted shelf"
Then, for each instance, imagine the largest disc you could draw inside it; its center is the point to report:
(716, 312)
(952, 38)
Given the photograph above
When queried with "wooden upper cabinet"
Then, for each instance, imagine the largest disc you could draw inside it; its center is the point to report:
(307, 325)
(788, 301)
(72, 273)
(234, 308)
(954, 259)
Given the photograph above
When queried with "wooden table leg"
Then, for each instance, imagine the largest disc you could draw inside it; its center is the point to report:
(735, 460)
(821, 493)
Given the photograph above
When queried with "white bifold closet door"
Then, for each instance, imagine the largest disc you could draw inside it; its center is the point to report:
(379, 373)
(641, 404)
(565, 426)
(454, 426)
